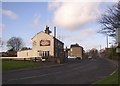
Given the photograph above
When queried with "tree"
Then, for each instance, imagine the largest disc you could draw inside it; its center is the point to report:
(15, 43)
(111, 20)
(93, 52)
(1, 42)
(25, 48)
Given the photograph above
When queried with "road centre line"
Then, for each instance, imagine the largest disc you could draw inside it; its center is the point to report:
(33, 76)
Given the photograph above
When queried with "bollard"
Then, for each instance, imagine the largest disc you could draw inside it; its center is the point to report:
(35, 59)
(24, 59)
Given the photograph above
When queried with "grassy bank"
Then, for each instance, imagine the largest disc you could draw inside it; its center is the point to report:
(113, 79)
(11, 65)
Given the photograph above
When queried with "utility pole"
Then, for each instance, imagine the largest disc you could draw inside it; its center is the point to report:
(107, 40)
(55, 32)
(112, 48)
(100, 47)
(118, 41)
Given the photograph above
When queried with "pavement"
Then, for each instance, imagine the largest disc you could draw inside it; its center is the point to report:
(74, 71)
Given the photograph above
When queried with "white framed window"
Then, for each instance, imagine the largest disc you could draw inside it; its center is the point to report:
(45, 53)
(71, 49)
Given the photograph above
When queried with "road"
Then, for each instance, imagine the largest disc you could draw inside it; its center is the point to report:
(73, 72)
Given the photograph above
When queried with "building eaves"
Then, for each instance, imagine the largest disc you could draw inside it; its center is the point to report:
(75, 45)
(39, 33)
(58, 40)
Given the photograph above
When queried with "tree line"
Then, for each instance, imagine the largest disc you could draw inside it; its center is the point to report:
(14, 44)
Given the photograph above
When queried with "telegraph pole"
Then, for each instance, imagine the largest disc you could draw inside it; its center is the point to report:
(118, 42)
(107, 40)
(100, 49)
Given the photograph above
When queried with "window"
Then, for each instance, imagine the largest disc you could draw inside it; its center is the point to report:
(27, 53)
(40, 53)
(45, 53)
(48, 53)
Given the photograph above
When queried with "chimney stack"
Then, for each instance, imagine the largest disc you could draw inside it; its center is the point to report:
(47, 30)
(55, 32)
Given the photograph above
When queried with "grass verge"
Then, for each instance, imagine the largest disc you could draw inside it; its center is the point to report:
(11, 65)
(112, 79)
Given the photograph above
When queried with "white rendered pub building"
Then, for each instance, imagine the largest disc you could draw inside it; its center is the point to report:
(46, 46)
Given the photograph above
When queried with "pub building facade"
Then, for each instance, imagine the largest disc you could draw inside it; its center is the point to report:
(45, 46)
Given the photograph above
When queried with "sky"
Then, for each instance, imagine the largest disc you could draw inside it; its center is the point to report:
(76, 22)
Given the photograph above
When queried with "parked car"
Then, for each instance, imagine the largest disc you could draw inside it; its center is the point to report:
(71, 57)
(43, 60)
(89, 57)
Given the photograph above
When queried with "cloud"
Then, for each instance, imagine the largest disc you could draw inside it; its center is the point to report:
(58, 0)
(84, 38)
(54, 5)
(28, 43)
(10, 14)
(73, 14)
(80, 36)
(87, 32)
(36, 21)
(2, 26)
(90, 46)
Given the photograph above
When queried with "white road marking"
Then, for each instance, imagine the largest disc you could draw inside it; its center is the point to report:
(33, 76)
(113, 72)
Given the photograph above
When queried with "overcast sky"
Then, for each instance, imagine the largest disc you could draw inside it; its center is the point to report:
(76, 22)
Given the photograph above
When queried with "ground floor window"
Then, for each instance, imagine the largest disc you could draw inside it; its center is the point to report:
(45, 53)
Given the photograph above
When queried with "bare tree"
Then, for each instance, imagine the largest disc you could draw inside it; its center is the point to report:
(15, 43)
(25, 48)
(1, 42)
(93, 52)
(110, 20)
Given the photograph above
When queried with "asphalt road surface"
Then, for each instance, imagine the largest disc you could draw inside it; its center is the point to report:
(73, 72)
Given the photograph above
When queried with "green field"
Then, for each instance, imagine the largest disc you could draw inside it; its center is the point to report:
(11, 65)
(113, 79)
